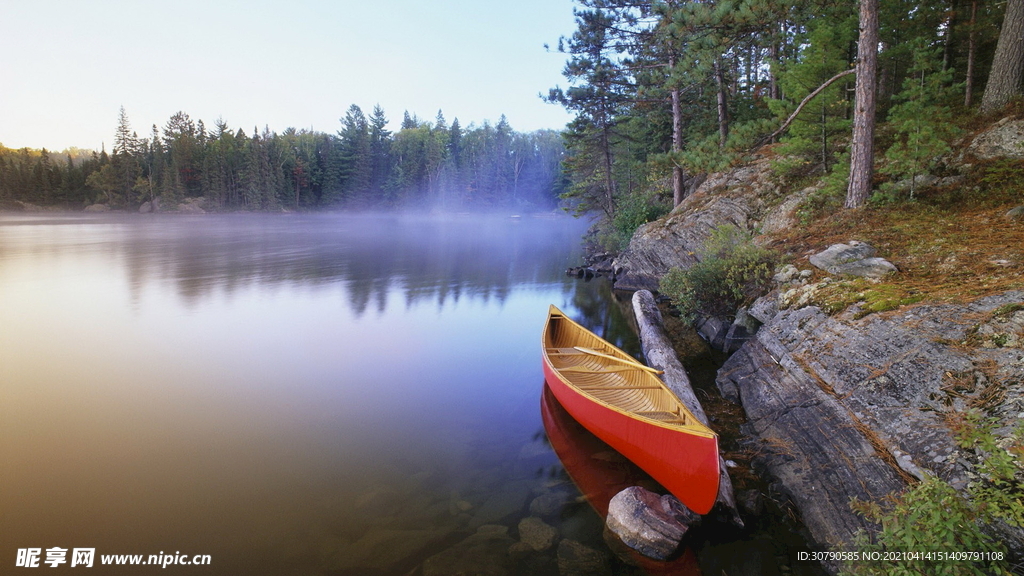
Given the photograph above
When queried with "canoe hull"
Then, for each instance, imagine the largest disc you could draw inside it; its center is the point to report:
(686, 465)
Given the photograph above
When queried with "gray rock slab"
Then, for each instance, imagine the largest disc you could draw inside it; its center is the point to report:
(765, 308)
(676, 241)
(850, 408)
(838, 254)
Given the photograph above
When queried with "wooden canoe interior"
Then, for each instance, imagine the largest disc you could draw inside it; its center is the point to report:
(620, 384)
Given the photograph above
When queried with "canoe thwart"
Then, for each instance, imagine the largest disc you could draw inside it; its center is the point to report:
(631, 361)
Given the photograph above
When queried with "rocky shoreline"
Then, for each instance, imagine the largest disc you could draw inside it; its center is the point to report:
(854, 405)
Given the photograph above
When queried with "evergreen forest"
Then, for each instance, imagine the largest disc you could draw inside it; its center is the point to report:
(424, 165)
(665, 92)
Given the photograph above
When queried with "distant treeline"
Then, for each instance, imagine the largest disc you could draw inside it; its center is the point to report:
(363, 165)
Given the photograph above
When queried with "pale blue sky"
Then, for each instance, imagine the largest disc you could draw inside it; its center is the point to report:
(68, 66)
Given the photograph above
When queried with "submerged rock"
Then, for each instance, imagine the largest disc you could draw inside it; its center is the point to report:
(537, 534)
(549, 504)
(575, 559)
(508, 500)
(482, 554)
(651, 524)
(386, 550)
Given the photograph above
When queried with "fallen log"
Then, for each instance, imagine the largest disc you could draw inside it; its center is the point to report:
(659, 354)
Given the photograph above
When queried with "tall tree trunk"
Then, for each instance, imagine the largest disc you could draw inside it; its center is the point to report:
(723, 107)
(773, 80)
(678, 192)
(862, 149)
(609, 181)
(947, 44)
(1004, 79)
(972, 46)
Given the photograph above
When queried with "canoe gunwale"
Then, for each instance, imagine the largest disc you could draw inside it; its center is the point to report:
(692, 425)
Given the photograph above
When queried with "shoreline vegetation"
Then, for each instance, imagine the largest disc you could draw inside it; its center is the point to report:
(761, 117)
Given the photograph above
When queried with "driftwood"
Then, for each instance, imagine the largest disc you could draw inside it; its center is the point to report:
(659, 353)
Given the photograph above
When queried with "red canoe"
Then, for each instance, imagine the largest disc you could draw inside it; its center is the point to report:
(623, 403)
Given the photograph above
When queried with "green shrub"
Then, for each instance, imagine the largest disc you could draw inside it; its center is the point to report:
(634, 211)
(923, 125)
(933, 517)
(731, 273)
(927, 519)
(999, 489)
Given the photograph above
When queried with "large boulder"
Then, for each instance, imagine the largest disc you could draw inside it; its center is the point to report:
(192, 206)
(649, 523)
(97, 208)
(1004, 139)
(850, 408)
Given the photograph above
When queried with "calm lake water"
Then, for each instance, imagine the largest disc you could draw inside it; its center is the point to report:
(293, 394)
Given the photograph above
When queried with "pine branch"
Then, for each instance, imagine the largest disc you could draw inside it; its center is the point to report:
(803, 103)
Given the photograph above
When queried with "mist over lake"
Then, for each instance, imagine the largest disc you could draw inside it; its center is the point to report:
(276, 390)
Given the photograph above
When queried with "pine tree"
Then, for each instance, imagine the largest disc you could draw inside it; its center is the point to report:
(922, 123)
(380, 152)
(125, 162)
(822, 125)
(598, 99)
(356, 167)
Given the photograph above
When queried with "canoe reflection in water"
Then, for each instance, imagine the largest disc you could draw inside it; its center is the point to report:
(600, 473)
